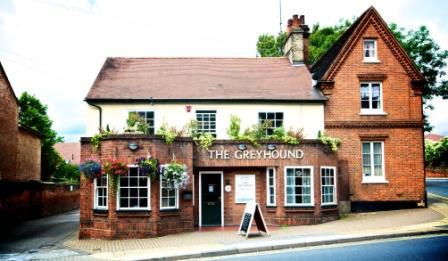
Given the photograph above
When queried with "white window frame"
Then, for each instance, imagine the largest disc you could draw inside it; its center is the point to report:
(373, 178)
(374, 58)
(205, 111)
(268, 196)
(371, 111)
(275, 119)
(334, 202)
(95, 197)
(176, 195)
(146, 110)
(311, 204)
(148, 185)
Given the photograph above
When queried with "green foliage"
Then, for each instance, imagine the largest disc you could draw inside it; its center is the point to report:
(33, 114)
(136, 123)
(257, 133)
(203, 140)
(96, 139)
(280, 134)
(234, 128)
(330, 142)
(430, 60)
(423, 50)
(436, 153)
(271, 46)
(167, 133)
(322, 38)
(66, 173)
(175, 175)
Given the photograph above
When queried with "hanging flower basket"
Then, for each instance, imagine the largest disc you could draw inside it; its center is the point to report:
(91, 169)
(175, 175)
(148, 167)
(115, 168)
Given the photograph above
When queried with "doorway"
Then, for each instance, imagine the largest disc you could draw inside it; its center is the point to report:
(211, 206)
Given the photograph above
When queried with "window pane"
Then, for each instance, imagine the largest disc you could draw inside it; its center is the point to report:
(366, 148)
(133, 202)
(377, 148)
(143, 202)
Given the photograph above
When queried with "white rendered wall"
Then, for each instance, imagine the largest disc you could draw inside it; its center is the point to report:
(309, 116)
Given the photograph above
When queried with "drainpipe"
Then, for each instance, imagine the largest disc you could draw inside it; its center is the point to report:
(100, 113)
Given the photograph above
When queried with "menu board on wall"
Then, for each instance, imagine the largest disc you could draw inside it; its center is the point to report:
(245, 188)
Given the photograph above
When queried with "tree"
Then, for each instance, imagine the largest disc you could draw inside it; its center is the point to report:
(33, 114)
(270, 45)
(423, 50)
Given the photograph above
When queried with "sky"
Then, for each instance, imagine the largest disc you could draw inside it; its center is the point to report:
(54, 49)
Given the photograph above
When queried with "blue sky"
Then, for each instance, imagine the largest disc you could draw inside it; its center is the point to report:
(55, 48)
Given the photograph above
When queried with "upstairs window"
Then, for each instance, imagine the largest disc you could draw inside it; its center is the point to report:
(148, 116)
(274, 119)
(206, 122)
(370, 50)
(371, 96)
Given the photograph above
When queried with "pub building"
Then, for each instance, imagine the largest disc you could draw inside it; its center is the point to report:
(365, 90)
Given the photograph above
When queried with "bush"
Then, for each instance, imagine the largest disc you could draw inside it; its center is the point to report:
(436, 153)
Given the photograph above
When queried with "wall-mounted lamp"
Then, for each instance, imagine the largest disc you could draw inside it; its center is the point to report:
(242, 147)
(133, 146)
(271, 147)
(227, 181)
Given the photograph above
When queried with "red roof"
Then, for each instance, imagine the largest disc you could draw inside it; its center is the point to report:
(203, 79)
(70, 151)
(433, 137)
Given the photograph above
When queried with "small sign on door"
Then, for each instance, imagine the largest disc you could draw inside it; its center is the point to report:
(211, 188)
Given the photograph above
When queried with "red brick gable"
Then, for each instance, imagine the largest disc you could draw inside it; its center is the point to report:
(370, 17)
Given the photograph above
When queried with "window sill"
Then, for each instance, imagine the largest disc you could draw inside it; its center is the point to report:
(271, 206)
(372, 113)
(169, 209)
(133, 213)
(100, 212)
(383, 181)
(292, 209)
(374, 61)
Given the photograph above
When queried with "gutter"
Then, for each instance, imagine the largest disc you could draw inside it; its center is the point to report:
(100, 113)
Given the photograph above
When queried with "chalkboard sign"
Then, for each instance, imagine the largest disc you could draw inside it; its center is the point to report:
(252, 212)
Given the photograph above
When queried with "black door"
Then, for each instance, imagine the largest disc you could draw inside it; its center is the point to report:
(211, 199)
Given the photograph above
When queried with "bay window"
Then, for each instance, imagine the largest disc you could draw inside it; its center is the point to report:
(299, 186)
(134, 191)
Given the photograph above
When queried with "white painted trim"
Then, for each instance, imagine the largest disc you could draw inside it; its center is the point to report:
(373, 178)
(375, 49)
(95, 198)
(192, 188)
(200, 194)
(312, 186)
(370, 111)
(335, 189)
(148, 184)
(267, 188)
(176, 197)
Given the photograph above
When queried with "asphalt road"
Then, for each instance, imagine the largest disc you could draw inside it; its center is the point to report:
(437, 186)
(423, 248)
(37, 236)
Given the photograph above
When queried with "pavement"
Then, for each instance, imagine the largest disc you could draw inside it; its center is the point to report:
(351, 228)
(55, 238)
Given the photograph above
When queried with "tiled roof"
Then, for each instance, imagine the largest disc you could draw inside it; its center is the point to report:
(70, 151)
(433, 137)
(203, 79)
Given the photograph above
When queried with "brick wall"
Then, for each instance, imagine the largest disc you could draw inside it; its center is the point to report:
(28, 156)
(400, 128)
(123, 224)
(315, 155)
(8, 131)
(21, 200)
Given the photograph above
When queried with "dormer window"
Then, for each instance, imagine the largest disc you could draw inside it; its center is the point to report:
(370, 50)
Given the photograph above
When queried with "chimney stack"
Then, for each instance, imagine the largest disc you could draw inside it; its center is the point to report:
(296, 44)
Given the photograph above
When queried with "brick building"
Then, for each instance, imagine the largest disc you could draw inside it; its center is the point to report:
(365, 90)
